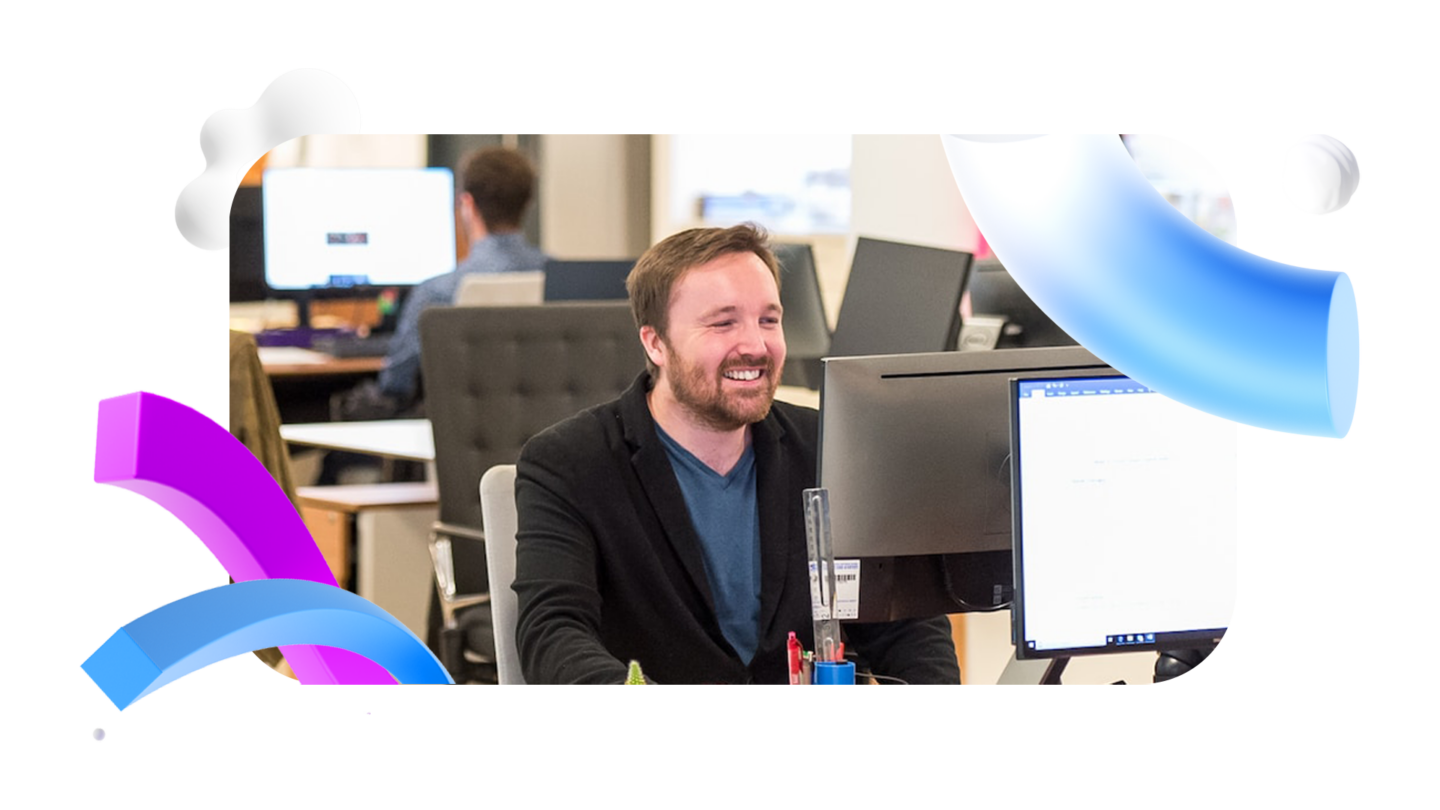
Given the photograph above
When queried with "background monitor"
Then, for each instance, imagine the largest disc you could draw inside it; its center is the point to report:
(807, 331)
(900, 298)
(348, 228)
(914, 450)
(247, 246)
(993, 291)
(587, 280)
(1125, 511)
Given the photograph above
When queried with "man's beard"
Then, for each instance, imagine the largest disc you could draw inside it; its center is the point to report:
(704, 396)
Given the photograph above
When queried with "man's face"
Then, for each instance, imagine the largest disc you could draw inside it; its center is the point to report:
(724, 348)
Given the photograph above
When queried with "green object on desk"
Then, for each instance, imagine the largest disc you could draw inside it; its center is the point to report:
(635, 677)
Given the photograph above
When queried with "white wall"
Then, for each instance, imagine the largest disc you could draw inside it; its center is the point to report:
(339, 151)
(594, 196)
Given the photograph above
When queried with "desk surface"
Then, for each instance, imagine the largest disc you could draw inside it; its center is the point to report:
(355, 497)
(409, 439)
(288, 361)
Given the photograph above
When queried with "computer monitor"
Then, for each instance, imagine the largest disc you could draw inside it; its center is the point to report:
(900, 298)
(1125, 507)
(993, 291)
(341, 229)
(914, 451)
(587, 280)
(807, 331)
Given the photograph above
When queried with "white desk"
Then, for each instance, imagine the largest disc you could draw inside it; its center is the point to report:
(409, 439)
(392, 521)
(391, 533)
(795, 395)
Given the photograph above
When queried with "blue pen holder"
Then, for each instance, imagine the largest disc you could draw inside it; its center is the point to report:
(834, 673)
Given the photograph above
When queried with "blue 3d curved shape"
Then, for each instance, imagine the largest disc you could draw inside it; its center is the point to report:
(1116, 266)
(213, 625)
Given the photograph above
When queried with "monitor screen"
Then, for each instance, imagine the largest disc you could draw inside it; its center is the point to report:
(915, 453)
(900, 298)
(1125, 507)
(342, 228)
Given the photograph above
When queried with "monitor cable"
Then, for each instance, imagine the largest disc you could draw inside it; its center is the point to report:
(1002, 599)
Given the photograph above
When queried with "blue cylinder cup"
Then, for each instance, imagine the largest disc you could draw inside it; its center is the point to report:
(834, 673)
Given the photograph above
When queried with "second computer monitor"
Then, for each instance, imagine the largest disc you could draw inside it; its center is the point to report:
(993, 291)
(807, 332)
(900, 298)
(329, 229)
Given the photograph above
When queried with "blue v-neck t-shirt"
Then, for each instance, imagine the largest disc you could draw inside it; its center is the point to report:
(724, 512)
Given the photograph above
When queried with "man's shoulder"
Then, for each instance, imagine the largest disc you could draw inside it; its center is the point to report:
(436, 289)
(798, 421)
(586, 436)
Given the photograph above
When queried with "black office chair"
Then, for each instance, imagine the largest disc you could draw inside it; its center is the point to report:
(495, 376)
(1174, 663)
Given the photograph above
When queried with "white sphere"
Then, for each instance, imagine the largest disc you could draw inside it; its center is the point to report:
(1320, 174)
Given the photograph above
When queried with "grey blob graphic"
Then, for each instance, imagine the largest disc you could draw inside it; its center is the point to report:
(99, 733)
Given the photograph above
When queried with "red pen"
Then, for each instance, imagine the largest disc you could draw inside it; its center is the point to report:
(792, 649)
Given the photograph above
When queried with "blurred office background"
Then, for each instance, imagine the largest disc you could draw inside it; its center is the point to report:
(612, 196)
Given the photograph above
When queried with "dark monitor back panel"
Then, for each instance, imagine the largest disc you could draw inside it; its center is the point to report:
(915, 453)
(247, 246)
(993, 291)
(807, 332)
(900, 299)
(589, 280)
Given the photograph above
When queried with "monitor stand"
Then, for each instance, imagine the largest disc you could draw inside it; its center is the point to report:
(1044, 671)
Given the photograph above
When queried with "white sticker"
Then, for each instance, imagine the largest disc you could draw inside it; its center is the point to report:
(847, 592)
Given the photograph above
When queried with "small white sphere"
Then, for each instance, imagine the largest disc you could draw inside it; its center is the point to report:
(1320, 174)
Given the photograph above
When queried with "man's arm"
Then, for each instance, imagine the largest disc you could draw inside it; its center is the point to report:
(558, 632)
(917, 651)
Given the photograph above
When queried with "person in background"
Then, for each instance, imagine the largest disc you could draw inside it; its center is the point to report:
(497, 185)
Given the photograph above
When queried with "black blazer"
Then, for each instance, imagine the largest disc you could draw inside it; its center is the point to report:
(609, 567)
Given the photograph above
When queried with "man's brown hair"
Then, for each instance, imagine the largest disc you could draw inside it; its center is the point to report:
(654, 277)
(501, 181)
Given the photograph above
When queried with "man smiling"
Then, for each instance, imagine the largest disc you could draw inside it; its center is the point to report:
(667, 526)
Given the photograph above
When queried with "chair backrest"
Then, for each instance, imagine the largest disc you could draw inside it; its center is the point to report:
(501, 289)
(495, 376)
(497, 504)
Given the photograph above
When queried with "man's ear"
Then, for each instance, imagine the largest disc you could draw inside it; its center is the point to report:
(654, 345)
